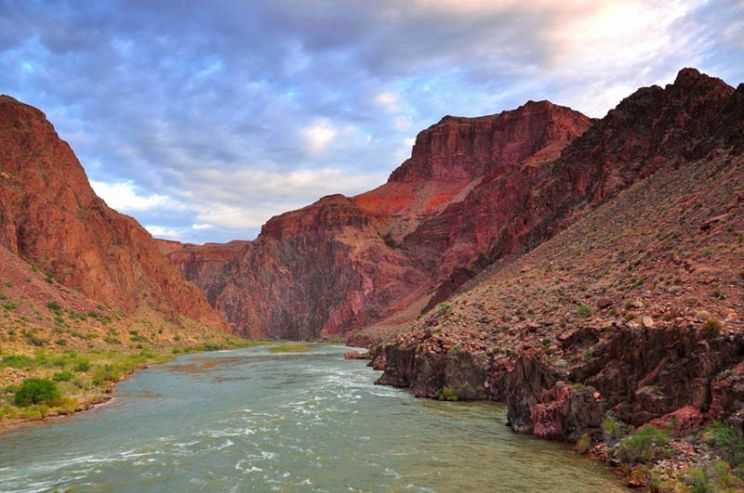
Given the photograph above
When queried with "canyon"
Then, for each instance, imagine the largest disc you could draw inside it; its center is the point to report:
(581, 271)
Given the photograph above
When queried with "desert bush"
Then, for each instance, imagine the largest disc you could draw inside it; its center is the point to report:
(19, 361)
(583, 310)
(106, 373)
(613, 429)
(728, 439)
(37, 391)
(717, 477)
(446, 394)
(646, 444)
(62, 376)
(444, 309)
(583, 443)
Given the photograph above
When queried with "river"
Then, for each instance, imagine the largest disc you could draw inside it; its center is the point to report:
(248, 420)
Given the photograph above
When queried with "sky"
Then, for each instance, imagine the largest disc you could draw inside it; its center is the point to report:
(202, 119)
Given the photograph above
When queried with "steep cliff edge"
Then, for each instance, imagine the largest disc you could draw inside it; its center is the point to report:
(340, 264)
(632, 313)
(51, 218)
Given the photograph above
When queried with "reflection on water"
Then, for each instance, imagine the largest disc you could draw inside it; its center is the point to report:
(248, 420)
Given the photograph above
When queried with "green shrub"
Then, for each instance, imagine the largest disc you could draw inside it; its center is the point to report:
(35, 411)
(9, 305)
(37, 391)
(646, 444)
(107, 373)
(729, 441)
(62, 376)
(444, 309)
(446, 394)
(54, 306)
(613, 429)
(584, 310)
(18, 361)
(583, 444)
(713, 478)
(82, 366)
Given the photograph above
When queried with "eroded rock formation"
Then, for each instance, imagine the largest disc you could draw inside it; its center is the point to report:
(52, 218)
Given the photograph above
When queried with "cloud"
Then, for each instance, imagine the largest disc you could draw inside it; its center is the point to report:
(188, 117)
(388, 100)
(229, 206)
(318, 136)
(163, 232)
(123, 197)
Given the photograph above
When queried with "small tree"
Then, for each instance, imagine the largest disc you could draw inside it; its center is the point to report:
(37, 391)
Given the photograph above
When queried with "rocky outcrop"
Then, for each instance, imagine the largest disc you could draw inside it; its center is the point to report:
(475, 190)
(313, 273)
(639, 375)
(50, 217)
(517, 210)
(451, 157)
(646, 373)
(338, 265)
(632, 309)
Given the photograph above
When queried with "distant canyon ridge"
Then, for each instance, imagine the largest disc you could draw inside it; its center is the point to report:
(474, 191)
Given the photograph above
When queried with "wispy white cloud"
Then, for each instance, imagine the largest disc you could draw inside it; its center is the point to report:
(124, 197)
(319, 135)
(388, 100)
(164, 232)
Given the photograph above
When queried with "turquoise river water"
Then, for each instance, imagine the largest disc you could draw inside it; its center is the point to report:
(248, 420)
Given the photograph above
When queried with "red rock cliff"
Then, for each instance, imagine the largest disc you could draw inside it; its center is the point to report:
(50, 216)
(337, 265)
(473, 191)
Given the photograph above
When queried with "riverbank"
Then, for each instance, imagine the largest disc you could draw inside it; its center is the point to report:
(576, 390)
(255, 420)
(72, 381)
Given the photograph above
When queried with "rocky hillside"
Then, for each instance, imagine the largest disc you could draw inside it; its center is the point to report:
(632, 313)
(345, 263)
(51, 218)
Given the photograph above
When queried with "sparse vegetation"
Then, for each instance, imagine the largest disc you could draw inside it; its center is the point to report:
(728, 440)
(446, 394)
(583, 444)
(37, 391)
(646, 444)
(54, 306)
(444, 309)
(613, 429)
(717, 477)
(584, 310)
